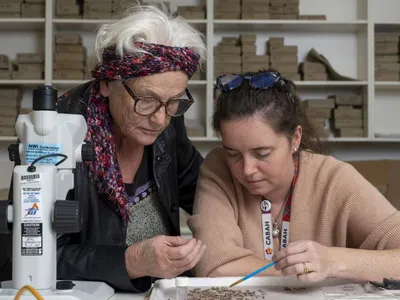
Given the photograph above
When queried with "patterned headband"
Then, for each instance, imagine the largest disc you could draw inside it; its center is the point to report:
(155, 59)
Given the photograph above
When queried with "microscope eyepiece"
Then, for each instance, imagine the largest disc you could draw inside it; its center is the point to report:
(44, 98)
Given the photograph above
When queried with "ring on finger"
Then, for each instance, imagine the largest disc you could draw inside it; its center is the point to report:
(306, 270)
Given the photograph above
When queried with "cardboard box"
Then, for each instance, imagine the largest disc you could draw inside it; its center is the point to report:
(284, 59)
(4, 62)
(389, 67)
(69, 57)
(386, 48)
(5, 74)
(18, 75)
(255, 2)
(97, 15)
(228, 58)
(248, 39)
(343, 113)
(29, 58)
(255, 58)
(65, 10)
(249, 49)
(222, 49)
(319, 112)
(319, 103)
(10, 15)
(227, 68)
(312, 17)
(294, 77)
(255, 16)
(318, 122)
(9, 93)
(7, 121)
(315, 76)
(351, 132)
(253, 67)
(10, 7)
(346, 99)
(386, 38)
(387, 76)
(30, 68)
(284, 68)
(69, 74)
(7, 131)
(312, 67)
(77, 48)
(278, 49)
(30, 10)
(256, 8)
(285, 1)
(61, 64)
(35, 1)
(9, 112)
(229, 41)
(69, 38)
(227, 8)
(387, 58)
(348, 123)
(227, 15)
(276, 41)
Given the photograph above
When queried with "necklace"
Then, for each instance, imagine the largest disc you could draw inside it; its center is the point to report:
(275, 230)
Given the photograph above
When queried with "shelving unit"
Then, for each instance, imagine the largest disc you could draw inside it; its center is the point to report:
(346, 38)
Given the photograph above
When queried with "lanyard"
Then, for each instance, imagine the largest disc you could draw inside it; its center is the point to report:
(268, 228)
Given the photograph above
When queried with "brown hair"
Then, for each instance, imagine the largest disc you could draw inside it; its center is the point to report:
(278, 105)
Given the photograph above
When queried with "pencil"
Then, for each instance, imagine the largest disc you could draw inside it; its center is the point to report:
(252, 274)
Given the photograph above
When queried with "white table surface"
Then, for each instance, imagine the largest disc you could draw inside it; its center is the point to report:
(119, 296)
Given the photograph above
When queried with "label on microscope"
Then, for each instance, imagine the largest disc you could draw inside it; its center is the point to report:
(34, 151)
(31, 221)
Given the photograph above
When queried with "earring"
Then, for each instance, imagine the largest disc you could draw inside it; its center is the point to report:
(294, 149)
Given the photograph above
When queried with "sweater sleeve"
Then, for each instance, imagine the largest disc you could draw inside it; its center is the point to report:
(215, 216)
(373, 222)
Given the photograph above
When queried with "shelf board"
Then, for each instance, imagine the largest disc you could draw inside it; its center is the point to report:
(94, 24)
(311, 26)
(33, 82)
(332, 83)
(387, 84)
(349, 140)
(21, 24)
(72, 83)
(8, 138)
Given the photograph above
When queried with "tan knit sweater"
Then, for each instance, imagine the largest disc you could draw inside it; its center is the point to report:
(332, 204)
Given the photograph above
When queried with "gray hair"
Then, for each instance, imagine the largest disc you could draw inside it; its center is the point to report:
(148, 24)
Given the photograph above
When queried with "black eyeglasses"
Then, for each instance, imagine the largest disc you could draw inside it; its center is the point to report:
(146, 106)
(264, 80)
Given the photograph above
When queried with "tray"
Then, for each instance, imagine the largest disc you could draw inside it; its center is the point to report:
(271, 288)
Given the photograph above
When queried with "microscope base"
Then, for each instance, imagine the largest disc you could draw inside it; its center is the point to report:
(83, 290)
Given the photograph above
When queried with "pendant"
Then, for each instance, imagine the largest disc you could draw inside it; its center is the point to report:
(275, 230)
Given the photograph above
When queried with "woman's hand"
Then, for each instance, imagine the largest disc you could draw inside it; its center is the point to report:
(308, 260)
(163, 256)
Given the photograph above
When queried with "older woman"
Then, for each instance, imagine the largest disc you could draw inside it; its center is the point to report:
(268, 194)
(146, 167)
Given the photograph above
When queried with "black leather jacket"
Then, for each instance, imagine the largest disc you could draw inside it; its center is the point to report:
(97, 253)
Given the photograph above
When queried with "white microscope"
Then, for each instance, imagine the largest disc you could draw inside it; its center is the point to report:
(50, 146)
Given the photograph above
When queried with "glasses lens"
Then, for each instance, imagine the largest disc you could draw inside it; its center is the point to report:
(264, 80)
(178, 107)
(146, 106)
(229, 82)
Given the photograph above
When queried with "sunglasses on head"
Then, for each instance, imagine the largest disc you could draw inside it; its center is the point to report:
(261, 81)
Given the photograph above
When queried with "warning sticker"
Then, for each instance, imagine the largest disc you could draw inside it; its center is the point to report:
(34, 151)
(31, 204)
(31, 239)
(30, 178)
